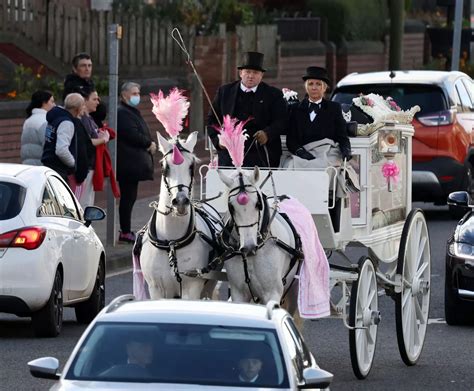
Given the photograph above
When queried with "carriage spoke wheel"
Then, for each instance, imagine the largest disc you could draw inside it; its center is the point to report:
(365, 317)
(412, 304)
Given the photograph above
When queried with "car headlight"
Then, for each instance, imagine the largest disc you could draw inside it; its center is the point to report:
(462, 250)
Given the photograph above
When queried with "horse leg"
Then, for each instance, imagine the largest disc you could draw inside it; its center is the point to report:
(192, 288)
(290, 303)
(156, 292)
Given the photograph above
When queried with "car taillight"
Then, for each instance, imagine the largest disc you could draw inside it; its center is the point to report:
(28, 238)
(445, 117)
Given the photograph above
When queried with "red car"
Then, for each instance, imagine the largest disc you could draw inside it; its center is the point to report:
(443, 149)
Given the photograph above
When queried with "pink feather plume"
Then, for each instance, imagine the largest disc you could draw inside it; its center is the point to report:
(170, 110)
(232, 136)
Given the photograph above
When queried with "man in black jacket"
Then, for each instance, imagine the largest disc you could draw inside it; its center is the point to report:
(80, 81)
(65, 147)
(247, 98)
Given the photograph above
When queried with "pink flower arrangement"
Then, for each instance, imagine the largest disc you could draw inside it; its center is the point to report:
(366, 101)
(392, 104)
(390, 170)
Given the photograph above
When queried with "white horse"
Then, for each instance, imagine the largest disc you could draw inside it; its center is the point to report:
(261, 267)
(177, 239)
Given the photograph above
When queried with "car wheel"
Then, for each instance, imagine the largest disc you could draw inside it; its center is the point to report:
(455, 311)
(48, 321)
(87, 310)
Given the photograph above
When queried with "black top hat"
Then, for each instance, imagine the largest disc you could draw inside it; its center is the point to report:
(252, 60)
(318, 73)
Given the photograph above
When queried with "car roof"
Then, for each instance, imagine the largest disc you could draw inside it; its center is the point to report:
(21, 171)
(192, 312)
(404, 77)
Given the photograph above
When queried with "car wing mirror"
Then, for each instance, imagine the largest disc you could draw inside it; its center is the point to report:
(93, 213)
(316, 378)
(45, 368)
(460, 199)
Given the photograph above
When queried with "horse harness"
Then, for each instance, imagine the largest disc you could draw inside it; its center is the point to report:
(263, 235)
(171, 246)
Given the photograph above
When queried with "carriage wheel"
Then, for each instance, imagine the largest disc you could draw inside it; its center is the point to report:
(364, 314)
(412, 304)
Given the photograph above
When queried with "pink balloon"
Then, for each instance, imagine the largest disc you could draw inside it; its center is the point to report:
(177, 157)
(243, 198)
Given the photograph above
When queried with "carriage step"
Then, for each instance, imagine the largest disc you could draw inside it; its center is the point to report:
(352, 268)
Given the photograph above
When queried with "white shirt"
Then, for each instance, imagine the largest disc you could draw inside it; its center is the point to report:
(312, 115)
(245, 89)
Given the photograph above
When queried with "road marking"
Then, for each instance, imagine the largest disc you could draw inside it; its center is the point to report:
(437, 321)
(118, 273)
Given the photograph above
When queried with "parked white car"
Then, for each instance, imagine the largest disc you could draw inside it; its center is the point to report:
(50, 256)
(187, 345)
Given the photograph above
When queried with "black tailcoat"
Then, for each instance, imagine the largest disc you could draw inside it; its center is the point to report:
(329, 123)
(268, 110)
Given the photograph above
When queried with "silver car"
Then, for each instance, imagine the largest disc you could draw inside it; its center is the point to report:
(178, 345)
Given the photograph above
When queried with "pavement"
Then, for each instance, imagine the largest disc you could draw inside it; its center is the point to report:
(119, 256)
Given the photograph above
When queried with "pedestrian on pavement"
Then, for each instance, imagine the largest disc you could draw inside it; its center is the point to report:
(92, 137)
(250, 98)
(80, 81)
(33, 134)
(135, 149)
(316, 118)
(62, 152)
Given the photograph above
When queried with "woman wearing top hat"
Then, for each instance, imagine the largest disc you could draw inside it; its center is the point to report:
(316, 118)
(246, 98)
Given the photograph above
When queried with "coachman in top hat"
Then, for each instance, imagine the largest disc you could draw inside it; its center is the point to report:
(246, 98)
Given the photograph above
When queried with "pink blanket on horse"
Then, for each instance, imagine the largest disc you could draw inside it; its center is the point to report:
(140, 290)
(313, 294)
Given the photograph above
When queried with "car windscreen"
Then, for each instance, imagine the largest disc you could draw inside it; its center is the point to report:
(12, 197)
(430, 98)
(178, 353)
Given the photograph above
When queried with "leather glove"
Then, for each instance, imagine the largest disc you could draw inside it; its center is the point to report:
(304, 154)
(347, 155)
(261, 137)
(152, 148)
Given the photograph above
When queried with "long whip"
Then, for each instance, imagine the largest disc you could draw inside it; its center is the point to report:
(176, 35)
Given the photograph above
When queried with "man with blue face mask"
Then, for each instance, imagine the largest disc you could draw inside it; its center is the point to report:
(135, 149)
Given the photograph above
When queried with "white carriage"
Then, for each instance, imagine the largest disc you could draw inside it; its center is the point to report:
(380, 218)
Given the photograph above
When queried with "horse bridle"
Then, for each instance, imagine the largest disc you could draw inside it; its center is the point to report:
(240, 189)
(165, 172)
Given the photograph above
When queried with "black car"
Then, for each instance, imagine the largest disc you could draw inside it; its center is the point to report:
(459, 280)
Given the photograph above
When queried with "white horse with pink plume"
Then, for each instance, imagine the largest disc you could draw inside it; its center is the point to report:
(179, 238)
(267, 246)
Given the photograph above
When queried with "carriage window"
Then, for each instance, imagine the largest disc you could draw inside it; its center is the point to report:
(49, 205)
(64, 198)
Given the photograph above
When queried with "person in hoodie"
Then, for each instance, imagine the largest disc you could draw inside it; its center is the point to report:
(32, 136)
(80, 81)
(62, 150)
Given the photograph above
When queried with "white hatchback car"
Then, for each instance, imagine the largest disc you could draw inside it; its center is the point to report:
(187, 345)
(50, 256)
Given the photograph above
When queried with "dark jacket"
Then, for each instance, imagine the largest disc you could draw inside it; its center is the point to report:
(134, 162)
(329, 123)
(74, 83)
(269, 113)
(85, 152)
(49, 158)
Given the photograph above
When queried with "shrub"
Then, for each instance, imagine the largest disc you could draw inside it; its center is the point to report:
(351, 20)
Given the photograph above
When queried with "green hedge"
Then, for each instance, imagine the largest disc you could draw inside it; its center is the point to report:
(352, 20)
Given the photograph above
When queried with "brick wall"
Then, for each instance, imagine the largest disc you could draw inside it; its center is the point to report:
(10, 135)
(291, 69)
(413, 50)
